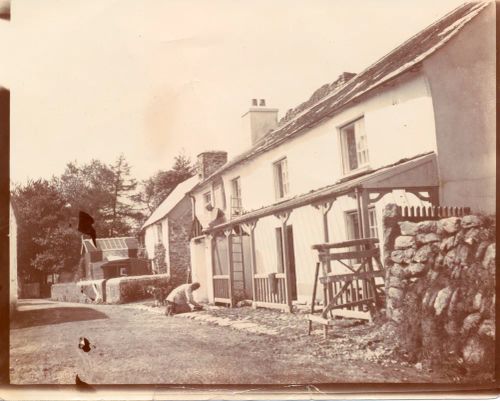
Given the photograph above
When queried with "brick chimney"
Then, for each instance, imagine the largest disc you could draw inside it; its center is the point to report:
(209, 162)
(259, 120)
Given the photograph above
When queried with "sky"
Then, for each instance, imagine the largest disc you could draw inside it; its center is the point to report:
(150, 79)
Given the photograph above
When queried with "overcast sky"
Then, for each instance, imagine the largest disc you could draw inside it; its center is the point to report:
(94, 78)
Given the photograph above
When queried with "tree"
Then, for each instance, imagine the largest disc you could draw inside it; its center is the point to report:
(123, 213)
(46, 243)
(156, 188)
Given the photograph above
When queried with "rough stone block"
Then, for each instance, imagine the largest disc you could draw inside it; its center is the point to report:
(476, 304)
(471, 221)
(424, 253)
(473, 352)
(471, 322)
(449, 225)
(449, 259)
(396, 294)
(390, 210)
(428, 226)
(489, 256)
(416, 269)
(472, 236)
(451, 328)
(459, 238)
(487, 329)
(452, 306)
(481, 250)
(428, 238)
(397, 282)
(442, 300)
(397, 270)
(447, 244)
(398, 256)
(432, 275)
(408, 228)
(404, 241)
(462, 254)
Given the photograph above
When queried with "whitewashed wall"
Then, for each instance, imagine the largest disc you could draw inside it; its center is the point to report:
(399, 123)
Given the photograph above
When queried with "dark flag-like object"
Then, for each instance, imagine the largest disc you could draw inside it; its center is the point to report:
(85, 222)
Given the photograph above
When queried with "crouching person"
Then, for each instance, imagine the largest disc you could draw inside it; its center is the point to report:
(180, 299)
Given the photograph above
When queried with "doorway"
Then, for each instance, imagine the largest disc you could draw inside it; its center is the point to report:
(291, 256)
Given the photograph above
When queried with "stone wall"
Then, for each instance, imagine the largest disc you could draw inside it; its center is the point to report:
(179, 254)
(440, 287)
(81, 291)
(130, 289)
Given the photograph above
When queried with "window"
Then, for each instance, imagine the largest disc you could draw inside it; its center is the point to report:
(207, 200)
(123, 271)
(353, 224)
(236, 204)
(159, 234)
(354, 146)
(281, 178)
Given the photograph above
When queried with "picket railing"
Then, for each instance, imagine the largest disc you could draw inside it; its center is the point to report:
(420, 213)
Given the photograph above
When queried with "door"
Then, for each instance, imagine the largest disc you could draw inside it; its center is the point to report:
(290, 254)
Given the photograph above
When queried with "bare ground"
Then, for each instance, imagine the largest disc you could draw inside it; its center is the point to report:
(137, 344)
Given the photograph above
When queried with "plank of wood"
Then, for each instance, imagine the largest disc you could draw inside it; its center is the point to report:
(353, 314)
(319, 319)
(363, 241)
(324, 257)
(350, 276)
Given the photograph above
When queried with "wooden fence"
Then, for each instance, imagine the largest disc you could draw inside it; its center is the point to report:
(420, 213)
(221, 288)
(270, 292)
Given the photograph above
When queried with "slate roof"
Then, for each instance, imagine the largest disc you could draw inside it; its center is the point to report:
(403, 58)
(171, 201)
(108, 244)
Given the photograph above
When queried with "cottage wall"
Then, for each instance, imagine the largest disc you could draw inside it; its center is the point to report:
(462, 81)
(399, 123)
(179, 227)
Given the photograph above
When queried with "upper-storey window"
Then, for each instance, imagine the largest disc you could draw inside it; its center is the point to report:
(236, 203)
(354, 146)
(281, 178)
(207, 200)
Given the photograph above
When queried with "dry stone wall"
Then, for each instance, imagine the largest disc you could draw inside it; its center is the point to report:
(440, 287)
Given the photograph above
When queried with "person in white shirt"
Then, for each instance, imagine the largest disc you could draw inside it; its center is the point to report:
(180, 299)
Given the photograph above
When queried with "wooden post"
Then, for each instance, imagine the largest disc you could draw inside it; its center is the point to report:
(284, 216)
(324, 208)
(250, 227)
(358, 201)
(365, 201)
(228, 234)
(434, 196)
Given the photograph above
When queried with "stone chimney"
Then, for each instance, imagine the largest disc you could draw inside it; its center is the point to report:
(209, 162)
(259, 120)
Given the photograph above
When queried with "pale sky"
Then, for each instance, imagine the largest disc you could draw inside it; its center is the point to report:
(94, 78)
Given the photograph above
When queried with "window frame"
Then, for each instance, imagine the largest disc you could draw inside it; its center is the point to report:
(159, 232)
(344, 148)
(281, 178)
(236, 195)
(208, 205)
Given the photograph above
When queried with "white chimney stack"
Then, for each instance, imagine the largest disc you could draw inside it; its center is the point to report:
(259, 120)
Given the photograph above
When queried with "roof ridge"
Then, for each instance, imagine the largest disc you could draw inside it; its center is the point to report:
(475, 7)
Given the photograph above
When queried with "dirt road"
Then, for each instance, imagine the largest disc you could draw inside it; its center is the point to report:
(135, 346)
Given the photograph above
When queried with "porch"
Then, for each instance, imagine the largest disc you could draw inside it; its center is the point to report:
(235, 273)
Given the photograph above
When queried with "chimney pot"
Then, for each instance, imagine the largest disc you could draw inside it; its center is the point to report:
(262, 102)
(254, 102)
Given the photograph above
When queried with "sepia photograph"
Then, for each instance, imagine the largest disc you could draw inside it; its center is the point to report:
(249, 193)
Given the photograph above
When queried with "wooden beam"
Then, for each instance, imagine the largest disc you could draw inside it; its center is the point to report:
(345, 244)
(228, 234)
(284, 216)
(253, 260)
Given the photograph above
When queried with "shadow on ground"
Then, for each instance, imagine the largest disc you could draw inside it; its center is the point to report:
(49, 316)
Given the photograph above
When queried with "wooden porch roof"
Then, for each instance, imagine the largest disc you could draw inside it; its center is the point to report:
(409, 174)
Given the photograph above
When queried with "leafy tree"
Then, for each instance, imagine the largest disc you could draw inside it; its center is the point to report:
(156, 188)
(46, 244)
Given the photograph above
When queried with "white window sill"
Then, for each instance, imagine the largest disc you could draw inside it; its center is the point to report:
(356, 172)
